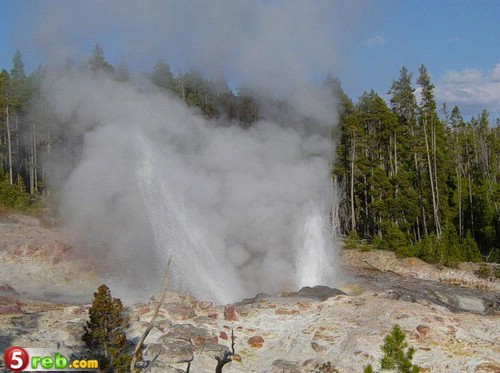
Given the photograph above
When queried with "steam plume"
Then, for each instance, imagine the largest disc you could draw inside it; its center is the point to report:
(240, 210)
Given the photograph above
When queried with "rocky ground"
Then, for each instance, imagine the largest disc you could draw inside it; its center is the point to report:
(451, 317)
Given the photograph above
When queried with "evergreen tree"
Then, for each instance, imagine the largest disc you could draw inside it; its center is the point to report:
(162, 76)
(402, 99)
(98, 62)
(397, 354)
(122, 73)
(199, 92)
(378, 164)
(408, 179)
(248, 111)
(104, 332)
(17, 72)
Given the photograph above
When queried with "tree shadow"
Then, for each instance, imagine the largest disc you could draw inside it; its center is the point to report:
(23, 326)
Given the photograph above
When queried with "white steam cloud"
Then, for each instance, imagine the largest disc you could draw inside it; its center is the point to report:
(239, 210)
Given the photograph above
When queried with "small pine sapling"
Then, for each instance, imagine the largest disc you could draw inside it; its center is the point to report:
(397, 354)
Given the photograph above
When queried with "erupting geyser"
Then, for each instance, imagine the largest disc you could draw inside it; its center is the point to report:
(239, 210)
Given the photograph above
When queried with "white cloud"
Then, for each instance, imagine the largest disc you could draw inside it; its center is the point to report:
(453, 39)
(472, 87)
(374, 41)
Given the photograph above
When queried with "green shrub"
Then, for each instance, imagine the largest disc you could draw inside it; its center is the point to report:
(15, 197)
(352, 240)
(470, 249)
(406, 251)
(484, 271)
(427, 247)
(393, 239)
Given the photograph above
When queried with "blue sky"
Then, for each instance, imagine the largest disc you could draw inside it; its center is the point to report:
(457, 40)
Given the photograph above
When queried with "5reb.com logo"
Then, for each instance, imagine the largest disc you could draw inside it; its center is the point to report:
(19, 359)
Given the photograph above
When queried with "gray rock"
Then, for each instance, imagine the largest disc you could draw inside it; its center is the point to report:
(137, 329)
(215, 348)
(470, 304)
(6, 289)
(257, 299)
(174, 351)
(285, 366)
(318, 292)
(179, 311)
(152, 350)
(162, 367)
(185, 332)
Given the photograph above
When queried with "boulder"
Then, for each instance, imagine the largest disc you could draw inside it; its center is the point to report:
(230, 313)
(470, 304)
(257, 299)
(162, 367)
(6, 289)
(179, 311)
(73, 336)
(186, 332)
(256, 341)
(11, 309)
(137, 329)
(204, 305)
(423, 329)
(318, 292)
(174, 351)
(285, 366)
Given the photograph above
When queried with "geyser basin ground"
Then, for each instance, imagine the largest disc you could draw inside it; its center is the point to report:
(346, 330)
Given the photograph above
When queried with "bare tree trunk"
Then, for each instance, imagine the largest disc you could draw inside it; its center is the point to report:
(335, 207)
(353, 155)
(9, 145)
(48, 150)
(436, 185)
(366, 227)
(35, 167)
(470, 203)
(138, 347)
(420, 192)
(30, 168)
(396, 190)
(395, 156)
(459, 187)
(183, 90)
(17, 153)
(431, 179)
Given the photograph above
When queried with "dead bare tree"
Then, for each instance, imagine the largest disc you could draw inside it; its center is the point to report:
(138, 348)
(226, 358)
(135, 364)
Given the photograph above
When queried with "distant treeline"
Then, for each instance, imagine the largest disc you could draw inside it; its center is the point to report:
(416, 182)
(411, 180)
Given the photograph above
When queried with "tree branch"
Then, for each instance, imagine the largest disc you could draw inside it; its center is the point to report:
(226, 358)
(138, 348)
